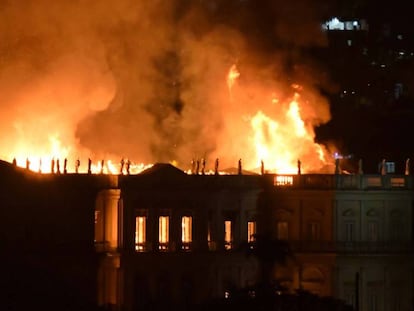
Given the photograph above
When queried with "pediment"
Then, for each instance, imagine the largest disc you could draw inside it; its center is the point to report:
(284, 212)
(372, 212)
(312, 275)
(348, 212)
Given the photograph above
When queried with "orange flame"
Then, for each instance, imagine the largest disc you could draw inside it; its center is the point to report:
(232, 77)
(54, 157)
(278, 139)
(281, 142)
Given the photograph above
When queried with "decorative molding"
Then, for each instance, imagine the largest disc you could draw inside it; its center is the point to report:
(284, 211)
(373, 212)
(318, 211)
(348, 212)
(312, 275)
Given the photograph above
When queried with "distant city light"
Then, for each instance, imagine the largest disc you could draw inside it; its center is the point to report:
(336, 24)
(338, 156)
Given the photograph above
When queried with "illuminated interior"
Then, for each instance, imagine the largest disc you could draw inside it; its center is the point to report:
(228, 234)
(186, 231)
(281, 180)
(163, 232)
(140, 230)
(251, 231)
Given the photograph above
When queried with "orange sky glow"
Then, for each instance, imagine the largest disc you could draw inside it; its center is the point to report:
(131, 81)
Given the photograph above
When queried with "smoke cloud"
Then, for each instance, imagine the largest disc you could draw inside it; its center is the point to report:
(147, 79)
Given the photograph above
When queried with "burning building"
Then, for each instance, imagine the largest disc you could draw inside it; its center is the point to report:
(167, 237)
(89, 106)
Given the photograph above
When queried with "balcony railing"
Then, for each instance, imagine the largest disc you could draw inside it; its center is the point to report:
(344, 247)
(186, 246)
(304, 246)
(342, 181)
(104, 247)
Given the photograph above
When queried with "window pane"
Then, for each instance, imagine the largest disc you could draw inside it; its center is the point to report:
(349, 231)
(282, 230)
(228, 234)
(163, 232)
(186, 231)
(314, 231)
(211, 242)
(140, 233)
(372, 231)
(396, 230)
(251, 230)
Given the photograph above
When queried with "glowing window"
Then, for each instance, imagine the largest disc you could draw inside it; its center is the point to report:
(283, 181)
(163, 232)
(186, 231)
(397, 182)
(282, 230)
(228, 234)
(99, 237)
(140, 233)
(211, 243)
(209, 233)
(251, 231)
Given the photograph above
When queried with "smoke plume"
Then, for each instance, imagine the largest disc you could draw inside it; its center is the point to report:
(147, 79)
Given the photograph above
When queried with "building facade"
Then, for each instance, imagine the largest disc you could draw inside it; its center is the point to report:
(166, 238)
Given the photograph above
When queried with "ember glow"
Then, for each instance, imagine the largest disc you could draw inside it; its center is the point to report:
(279, 140)
(276, 140)
(144, 82)
(232, 77)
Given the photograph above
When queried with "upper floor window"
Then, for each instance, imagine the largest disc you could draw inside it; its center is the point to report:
(314, 231)
(209, 236)
(140, 233)
(282, 180)
(251, 231)
(186, 232)
(372, 301)
(349, 231)
(282, 230)
(96, 216)
(372, 231)
(163, 232)
(211, 232)
(396, 230)
(228, 234)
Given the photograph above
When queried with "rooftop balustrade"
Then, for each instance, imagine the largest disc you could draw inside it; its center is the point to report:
(344, 182)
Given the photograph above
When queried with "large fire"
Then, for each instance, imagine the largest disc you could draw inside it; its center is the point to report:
(132, 83)
(280, 143)
(278, 140)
